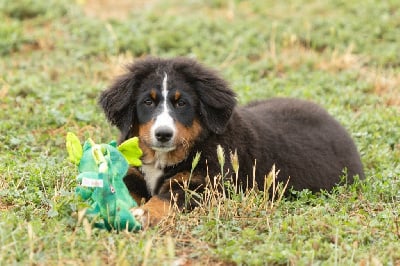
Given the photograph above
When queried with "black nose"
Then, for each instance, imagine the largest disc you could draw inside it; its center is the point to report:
(164, 134)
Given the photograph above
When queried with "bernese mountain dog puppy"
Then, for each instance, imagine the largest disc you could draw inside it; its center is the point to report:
(178, 108)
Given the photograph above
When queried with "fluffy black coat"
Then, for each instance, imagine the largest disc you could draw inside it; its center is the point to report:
(299, 137)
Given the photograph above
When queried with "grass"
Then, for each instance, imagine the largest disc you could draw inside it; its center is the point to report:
(57, 57)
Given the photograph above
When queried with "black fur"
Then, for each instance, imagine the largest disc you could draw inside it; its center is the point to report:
(299, 137)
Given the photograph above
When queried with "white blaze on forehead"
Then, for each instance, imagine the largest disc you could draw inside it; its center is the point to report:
(165, 86)
(164, 119)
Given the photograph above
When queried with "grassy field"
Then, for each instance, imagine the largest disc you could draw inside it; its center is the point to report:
(57, 56)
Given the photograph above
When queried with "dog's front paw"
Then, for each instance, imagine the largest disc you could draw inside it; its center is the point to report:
(151, 213)
(142, 216)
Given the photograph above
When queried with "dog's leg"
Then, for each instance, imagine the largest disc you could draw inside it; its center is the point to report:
(171, 193)
(152, 212)
(136, 185)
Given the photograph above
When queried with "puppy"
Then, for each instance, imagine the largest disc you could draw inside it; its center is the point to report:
(179, 108)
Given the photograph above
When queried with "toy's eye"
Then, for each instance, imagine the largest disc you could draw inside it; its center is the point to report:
(180, 103)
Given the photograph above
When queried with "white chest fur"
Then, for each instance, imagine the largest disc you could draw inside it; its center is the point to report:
(152, 172)
(151, 176)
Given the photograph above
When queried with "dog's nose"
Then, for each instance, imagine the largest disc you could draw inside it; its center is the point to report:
(164, 134)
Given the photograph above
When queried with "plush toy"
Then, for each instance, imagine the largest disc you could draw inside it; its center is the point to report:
(102, 168)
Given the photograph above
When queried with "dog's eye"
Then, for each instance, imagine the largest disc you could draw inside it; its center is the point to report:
(148, 102)
(180, 103)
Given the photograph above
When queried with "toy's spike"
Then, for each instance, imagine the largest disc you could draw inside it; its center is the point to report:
(131, 151)
(74, 148)
(113, 143)
(92, 143)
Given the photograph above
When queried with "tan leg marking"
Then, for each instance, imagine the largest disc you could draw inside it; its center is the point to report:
(151, 213)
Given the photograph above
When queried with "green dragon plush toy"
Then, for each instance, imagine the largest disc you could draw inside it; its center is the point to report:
(102, 168)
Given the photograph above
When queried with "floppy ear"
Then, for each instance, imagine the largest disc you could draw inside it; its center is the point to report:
(118, 105)
(217, 100)
(118, 101)
(216, 104)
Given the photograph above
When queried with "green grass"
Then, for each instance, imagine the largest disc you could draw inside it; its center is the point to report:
(55, 60)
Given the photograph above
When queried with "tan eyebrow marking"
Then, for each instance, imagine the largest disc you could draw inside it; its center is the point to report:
(177, 95)
(153, 94)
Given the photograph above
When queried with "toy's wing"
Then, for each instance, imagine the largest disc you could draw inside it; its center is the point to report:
(131, 151)
(74, 148)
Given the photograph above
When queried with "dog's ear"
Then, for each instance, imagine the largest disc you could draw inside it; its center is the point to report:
(118, 101)
(118, 105)
(217, 100)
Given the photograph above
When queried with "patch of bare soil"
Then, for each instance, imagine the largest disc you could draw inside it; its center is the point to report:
(384, 82)
(111, 9)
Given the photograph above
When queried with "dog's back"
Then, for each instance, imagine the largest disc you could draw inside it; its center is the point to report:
(304, 142)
